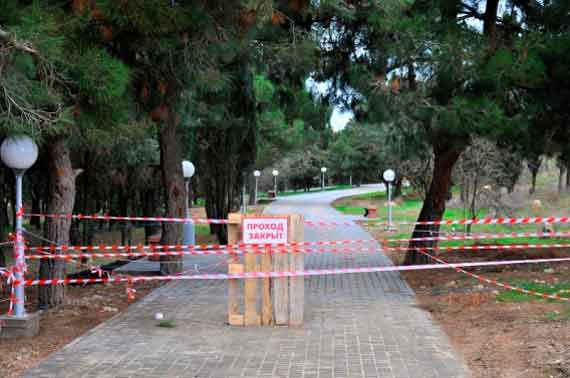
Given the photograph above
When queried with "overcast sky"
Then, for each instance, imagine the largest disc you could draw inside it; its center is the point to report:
(340, 119)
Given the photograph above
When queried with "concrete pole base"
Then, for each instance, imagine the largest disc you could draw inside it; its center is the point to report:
(25, 326)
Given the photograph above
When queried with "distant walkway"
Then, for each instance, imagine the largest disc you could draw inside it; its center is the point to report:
(357, 325)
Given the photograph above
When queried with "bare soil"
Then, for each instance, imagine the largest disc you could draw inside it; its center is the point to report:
(529, 339)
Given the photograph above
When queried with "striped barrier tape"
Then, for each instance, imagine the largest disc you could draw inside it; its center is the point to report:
(106, 217)
(324, 223)
(257, 251)
(140, 247)
(494, 247)
(263, 250)
(495, 282)
(508, 235)
(300, 273)
(482, 221)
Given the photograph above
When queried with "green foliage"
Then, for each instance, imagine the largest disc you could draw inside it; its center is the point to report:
(100, 77)
(562, 288)
(264, 90)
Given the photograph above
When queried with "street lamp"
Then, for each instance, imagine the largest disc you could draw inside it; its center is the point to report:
(323, 171)
(19, 153)
(256, 174)
(275, 173)
(389, 176)
(189, 236)
(243, 191)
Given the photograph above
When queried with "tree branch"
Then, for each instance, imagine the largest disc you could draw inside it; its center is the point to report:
(23, 46)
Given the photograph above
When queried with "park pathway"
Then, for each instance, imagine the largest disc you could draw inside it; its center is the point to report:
(356, 325)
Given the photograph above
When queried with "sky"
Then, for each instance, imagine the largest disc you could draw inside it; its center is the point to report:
(340, 119)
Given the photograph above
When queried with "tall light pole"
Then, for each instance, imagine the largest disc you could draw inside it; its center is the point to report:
(275, 173)
(19, 153)
(189, 236)
(323, 171)
(389, 176)
(243, 191)
(256, 174)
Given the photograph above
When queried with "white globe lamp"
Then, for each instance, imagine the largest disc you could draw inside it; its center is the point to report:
(19, 152)
(188, 169)
(389, 175)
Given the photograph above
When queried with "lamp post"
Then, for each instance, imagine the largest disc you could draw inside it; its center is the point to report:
(256, 174)
(275, 173)
(189, 235)
(19, 153)
(323, 171)
(389, 176)
(243, 191)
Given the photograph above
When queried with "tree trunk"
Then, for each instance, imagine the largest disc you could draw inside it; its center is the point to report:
(151, 208)
(174, 192)
(434, 204)
(560, 178)
(490, 22)
(568, 177)
(4, 220)
(61, 200)
(533, 166)
(36, 208)
(397, 188)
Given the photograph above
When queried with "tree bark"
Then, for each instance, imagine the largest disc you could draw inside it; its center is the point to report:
(61, 201)
(174, 192)
(434, 204)
(397, 188)
(36, 207)
(560, 177)
(490, 23)
(151, 208)
(533, 166)
(568, 177)
(4, 220)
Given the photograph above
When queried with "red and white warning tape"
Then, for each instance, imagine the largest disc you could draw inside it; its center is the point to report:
(230, 251)
(152, 247)
(308, 272)
(119, 218)
(495, 282)
(483, 247)
(293, 249)
(508, 235)
(324, 223)
(483, 221)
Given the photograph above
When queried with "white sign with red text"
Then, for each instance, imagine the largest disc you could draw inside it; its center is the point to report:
(269, 230)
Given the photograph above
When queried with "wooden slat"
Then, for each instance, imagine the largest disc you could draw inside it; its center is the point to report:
(234, 316)
(267, 301)
(251, 315)
(296, 284)
(280, 290)
(234, 236)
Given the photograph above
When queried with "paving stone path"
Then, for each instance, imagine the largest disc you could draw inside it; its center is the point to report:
(357, 325)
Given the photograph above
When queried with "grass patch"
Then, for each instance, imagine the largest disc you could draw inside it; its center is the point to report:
(202, 229)
(350, 210)
(510, 296)
(312, 190)
(166, 324)
(558, 315)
